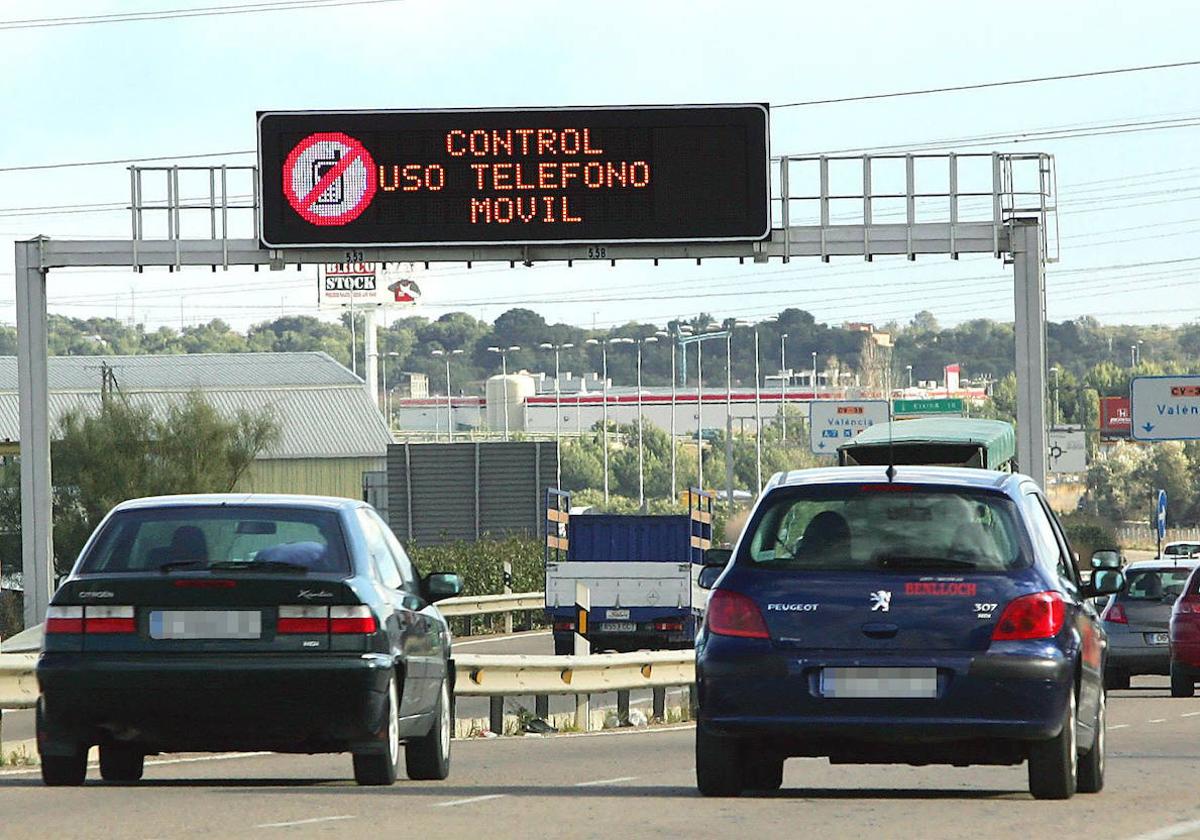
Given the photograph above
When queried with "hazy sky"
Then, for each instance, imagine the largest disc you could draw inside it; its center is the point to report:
(174, 87)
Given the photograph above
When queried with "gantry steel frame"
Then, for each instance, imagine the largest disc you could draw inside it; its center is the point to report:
(1014, 217)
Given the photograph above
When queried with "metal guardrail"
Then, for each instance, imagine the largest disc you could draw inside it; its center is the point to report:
(498, 675)
(18, 683)
(491, 604)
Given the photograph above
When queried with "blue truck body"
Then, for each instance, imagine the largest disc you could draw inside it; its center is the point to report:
(661, 607)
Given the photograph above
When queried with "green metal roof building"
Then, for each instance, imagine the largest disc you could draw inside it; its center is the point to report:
(330, 432)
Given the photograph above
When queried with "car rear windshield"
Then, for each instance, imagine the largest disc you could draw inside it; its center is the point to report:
(227, 538)
(884, 526)
(1154, 584)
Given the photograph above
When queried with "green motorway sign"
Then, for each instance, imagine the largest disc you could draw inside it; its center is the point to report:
(931, 406)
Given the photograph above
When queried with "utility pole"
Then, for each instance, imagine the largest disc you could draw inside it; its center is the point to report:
(783, 388)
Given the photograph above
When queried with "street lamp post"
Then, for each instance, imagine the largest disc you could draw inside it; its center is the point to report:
(504, 351)
(782, 387)
(387, 397)
(449, 403)
(604, 410)
(557, 348)
(680, 331)
(757, 418)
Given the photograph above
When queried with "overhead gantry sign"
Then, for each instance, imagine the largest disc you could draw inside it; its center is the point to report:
(628, 174)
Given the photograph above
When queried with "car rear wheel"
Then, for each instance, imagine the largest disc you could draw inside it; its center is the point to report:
(1091, 763)
(65, 769)
(1054, 764)
(121, 763)
(720, 767)
(428, 757)
(1115, 679)
(764, 774)
(381, 768)
(1182, 682)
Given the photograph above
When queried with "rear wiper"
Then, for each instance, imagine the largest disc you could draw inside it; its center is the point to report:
(905, 561)
(258, 565)
(180, 564)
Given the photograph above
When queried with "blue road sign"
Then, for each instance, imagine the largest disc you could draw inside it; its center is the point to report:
(1160, 514)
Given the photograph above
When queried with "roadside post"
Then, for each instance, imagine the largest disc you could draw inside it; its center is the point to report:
(583, 604)
(508, 582)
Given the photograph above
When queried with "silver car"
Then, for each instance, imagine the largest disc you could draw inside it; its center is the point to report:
(1138, 617)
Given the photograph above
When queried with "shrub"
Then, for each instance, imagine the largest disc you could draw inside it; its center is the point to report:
(1087, 533)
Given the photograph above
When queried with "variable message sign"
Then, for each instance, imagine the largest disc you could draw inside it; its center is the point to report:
(472, 177)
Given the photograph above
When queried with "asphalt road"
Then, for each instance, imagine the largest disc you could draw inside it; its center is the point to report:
(18, 725)
(637, 784)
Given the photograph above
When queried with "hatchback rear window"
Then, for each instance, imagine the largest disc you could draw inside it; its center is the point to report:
(225, 538)
(1154, 584)
(882, 526)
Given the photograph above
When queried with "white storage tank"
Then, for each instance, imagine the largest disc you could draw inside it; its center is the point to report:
(508, 391)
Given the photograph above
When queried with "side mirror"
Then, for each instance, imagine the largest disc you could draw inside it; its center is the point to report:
(1107, 582)
(438, 586)
(1106, 558)
(717, 556)
(707, 578)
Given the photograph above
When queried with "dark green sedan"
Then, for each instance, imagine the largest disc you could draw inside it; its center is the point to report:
(231, 622)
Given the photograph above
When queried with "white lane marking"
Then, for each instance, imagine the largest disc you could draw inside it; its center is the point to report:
(1190, 714)
(1113, 726)
(606, 781)
(469, 800)
(304, 822)
(1169, 831)
(1157, 720)
(157, 762)
(493, 639)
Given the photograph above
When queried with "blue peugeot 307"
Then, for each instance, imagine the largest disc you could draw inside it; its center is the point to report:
(934, 618)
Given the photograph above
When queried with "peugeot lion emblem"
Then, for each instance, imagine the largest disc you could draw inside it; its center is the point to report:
(881, 601)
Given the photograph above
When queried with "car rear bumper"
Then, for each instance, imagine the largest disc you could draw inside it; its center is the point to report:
(1129, 652)
(309, 703)
(776, 698)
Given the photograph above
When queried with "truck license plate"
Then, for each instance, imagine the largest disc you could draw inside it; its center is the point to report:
(618, 627)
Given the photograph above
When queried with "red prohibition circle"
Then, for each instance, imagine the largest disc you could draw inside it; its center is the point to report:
(353, 151)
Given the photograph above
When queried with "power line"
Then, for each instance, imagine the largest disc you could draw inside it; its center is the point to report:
(983, 85)
(191, 12)
(115, 161)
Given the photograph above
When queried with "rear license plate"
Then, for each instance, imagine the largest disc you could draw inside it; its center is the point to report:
(1157, 639)
(205, 624)
(842, 683)
(618, 627)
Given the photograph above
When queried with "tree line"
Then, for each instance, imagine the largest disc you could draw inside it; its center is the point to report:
(1089, 355)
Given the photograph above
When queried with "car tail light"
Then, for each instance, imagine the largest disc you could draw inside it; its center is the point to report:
(733, 614)
(64, 620)
(109, 620)
(670, 626)
(1188, 604)
(564, 626)
(305, 620)
(1036, 616)
(1115, 614)
(352, 620)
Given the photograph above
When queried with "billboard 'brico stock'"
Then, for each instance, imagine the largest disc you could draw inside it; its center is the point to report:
(476, 177)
